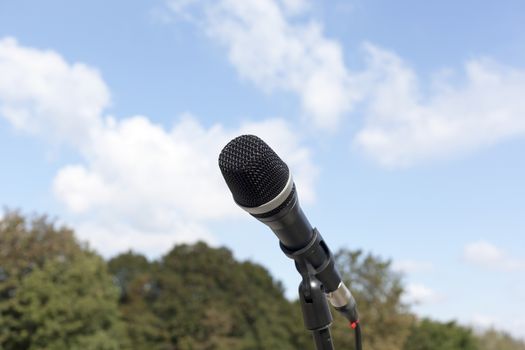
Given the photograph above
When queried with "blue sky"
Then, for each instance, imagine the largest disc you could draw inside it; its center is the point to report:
(402, 122)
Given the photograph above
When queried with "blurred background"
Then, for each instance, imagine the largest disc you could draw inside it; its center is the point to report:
(402, 122)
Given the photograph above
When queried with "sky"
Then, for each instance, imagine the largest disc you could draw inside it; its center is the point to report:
(402, 122)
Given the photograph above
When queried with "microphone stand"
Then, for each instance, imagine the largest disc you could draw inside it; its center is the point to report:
(316, 312)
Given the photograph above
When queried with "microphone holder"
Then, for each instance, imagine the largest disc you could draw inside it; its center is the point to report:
(316, 312)
(314, 305)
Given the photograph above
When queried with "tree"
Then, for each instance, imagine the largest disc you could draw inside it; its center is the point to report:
(210, 301)
(133, 273)
(377, 289)
(54, 294)
(125, 268)
(57, 294)
(26, 244)
(68, 305)
(432, 335)
(494, 340)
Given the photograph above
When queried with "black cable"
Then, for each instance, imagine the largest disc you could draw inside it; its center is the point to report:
(357, 329)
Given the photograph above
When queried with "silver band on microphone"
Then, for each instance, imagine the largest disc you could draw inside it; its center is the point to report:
(274, 203)
(341, 296)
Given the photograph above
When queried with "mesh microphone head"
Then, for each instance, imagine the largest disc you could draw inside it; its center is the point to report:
(252, 171)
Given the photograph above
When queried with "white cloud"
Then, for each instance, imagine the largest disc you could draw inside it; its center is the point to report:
(151, 187)
(517, 327)
(485, 254)
(268, 49)
(420, 294)
(109, 236)
(151, 177)
(135, 177)
(483, 322)
(404, 125)
(41, 93)
(294, 7)
(406, 121)
(412, 266)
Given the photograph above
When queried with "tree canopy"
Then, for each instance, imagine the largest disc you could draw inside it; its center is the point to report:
(56, 293)
(205, 299)
(428, 334)
(496, 340)
(377, 290)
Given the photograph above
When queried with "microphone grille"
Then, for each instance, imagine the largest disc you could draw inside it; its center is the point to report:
(252, 170)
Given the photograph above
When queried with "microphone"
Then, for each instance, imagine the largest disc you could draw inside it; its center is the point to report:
(262, 184)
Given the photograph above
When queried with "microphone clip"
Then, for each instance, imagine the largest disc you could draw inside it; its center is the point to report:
(320, 260)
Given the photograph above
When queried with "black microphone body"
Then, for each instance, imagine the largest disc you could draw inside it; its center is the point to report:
(289, 224)
(261, 184)
(299, 240)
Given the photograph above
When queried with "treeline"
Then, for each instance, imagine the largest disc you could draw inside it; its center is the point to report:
(57, 294)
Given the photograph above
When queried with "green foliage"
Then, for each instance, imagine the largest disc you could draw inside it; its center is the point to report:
(377, 290)
(207, 300)
(494, 340)
(432, 335)
(198, 297)
(54, 294)
(145, 330)
(125, 268)
(28, 244)
(68, 305)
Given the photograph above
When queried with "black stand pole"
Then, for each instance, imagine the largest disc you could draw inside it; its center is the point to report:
(316, 313)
